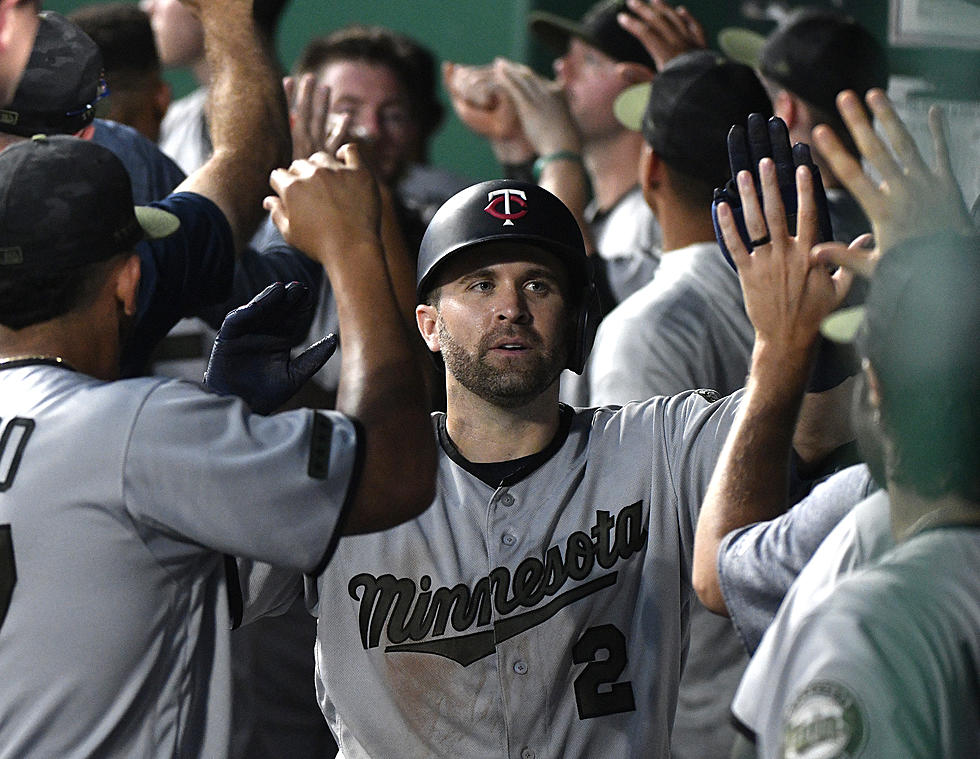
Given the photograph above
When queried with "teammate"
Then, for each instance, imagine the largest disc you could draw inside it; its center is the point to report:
(62, 88)
(538, 608)
(118, 499)
(18, 25)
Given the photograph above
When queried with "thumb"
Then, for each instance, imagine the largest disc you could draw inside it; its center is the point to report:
(310, 361)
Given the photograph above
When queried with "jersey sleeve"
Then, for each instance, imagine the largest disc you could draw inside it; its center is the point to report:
(695, 427)
(203, 468)
(845, 687)
(758, 563)
(180, 274)
(650, 352)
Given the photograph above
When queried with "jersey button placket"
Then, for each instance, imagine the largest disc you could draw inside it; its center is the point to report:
(520, 667)
(508, 539)
(528, 754)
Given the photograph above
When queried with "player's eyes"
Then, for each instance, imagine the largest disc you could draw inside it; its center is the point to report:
(481, 286)
(538, 286)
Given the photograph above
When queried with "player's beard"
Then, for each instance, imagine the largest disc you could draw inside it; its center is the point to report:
(507, 388)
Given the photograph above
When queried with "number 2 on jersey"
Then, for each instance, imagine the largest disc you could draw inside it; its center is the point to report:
(596, 691)
(17, 430)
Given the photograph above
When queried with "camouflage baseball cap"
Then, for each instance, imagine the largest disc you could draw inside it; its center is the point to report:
(67, 202)
(61, 84)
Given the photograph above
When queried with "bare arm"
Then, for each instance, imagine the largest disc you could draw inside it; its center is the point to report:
(246, 116)
(786, 296)
(330, 209)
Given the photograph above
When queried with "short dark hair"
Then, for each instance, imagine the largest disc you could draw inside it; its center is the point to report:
(35, 296)
(413, 64)
(124, 36)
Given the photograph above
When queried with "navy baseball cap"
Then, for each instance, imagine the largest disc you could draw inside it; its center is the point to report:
(814, 53)
(61, 84)
(686, 112)
(598, 28)
(67, 202)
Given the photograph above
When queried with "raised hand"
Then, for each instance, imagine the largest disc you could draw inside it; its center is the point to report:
(485, 108)
(747, 146)
(911, 200)
(786, 292)
(251, 354)
(664, 31)
(326, 205)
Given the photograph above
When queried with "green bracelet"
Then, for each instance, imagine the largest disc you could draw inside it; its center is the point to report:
(560, 155)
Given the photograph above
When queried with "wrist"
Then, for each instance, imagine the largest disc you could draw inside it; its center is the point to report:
(542, 161)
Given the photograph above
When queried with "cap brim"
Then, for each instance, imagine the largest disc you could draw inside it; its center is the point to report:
(741, 45)
(842, 326)
(554, 30)
(631, 104)
(156, 222)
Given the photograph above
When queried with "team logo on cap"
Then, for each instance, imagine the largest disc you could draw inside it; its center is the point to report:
(826, 720)
(507, 204)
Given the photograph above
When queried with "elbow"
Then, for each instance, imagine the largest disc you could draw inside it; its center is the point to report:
(707, 585)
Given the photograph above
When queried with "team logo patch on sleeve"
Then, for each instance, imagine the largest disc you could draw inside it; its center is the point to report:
(825, 722)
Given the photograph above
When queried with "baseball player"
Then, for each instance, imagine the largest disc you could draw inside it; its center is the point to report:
(118, 499)
(901, 677)
(539, 606)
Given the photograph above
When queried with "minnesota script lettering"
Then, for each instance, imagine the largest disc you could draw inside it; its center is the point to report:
(406, 610)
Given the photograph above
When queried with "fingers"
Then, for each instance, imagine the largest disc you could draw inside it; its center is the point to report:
(857, 260)
(729, 233)
(867, 140)
(664, 31)
(807, 229)
(758, 138)
(782, 152)
(902, 144)
(940, 148)
(849, 171)
(772, 201)
(755, 222)
(738, 150)
(310, 361)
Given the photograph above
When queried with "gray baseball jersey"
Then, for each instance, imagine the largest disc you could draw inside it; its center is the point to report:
(862, 535)
(117, 501)
(886, 665)
(685, 329)
(542, 616)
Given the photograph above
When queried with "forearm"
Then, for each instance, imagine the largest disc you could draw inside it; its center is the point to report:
(381, 385)
(247, 117)
(750, 481)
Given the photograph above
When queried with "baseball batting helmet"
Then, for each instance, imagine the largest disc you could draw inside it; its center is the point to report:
(506, 209)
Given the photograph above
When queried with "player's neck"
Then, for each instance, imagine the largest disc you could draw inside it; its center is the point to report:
(66, 338)
(611, 164)
(484, 432)
(912, 513)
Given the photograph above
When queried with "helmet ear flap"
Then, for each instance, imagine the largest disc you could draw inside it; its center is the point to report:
(586, 325)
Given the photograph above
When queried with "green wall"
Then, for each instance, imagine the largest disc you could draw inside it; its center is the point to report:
(468, 31)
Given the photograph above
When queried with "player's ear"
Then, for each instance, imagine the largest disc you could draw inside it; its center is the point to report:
(426, 317)
(128, 283)
(651, 170)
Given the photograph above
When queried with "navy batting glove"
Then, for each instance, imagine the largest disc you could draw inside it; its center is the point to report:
(746, 147)
(251, 354)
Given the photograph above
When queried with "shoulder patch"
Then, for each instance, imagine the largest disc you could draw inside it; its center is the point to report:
(826, 721)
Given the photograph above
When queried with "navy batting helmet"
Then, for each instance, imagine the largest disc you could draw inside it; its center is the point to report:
(506, 209)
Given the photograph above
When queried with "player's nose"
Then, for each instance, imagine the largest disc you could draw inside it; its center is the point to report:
(511, 305)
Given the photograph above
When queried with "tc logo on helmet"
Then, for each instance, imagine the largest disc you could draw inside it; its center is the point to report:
(507, 199)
